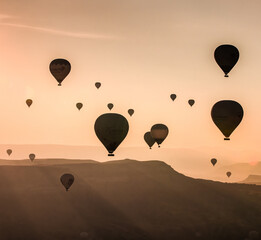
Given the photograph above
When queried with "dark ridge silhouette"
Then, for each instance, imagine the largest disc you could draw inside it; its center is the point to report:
(123, 200)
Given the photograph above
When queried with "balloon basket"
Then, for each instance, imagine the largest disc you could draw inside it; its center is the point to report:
(226, 139)
(110, 154)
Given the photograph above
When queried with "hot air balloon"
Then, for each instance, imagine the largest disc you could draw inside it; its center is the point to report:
(149, 139)
(226, 57)
(130, 111)
(67, 180)
(111, 129)
(79, 105)
(110, 106)
(9, 151)
(97, 85)
(227, 115)
(60, 68)
(191, 102)
(159, 132)
(31, 156)
(29, 102)
(173, 97)
(213, 161)
(229, 174)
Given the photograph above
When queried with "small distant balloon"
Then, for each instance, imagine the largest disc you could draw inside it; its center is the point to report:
(111, 129)
(229, 174)
(159, 132)
(67, 180)
(97, 85)
(60, 68)
(29, 102)
(130, 111)
(31, 156)
(149, 139)
(191, 102)
(173, 97)
(9, 151)
(79, 105)
(110, 106)
(226, 57)
(227, 115)
(214, 161)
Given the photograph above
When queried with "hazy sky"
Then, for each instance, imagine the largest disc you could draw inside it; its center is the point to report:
(141, 52)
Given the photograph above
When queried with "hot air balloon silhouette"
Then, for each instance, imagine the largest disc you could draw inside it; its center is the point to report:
(79, 105)
(228, 174)
(60, 68)
(31, 156)
(173, 97)
(97, 85)
(149, 139)
(214, 161)
(67, 180)
(130, 111)
(9, 151)
(111, 129)
(191, 102)
(29, 102)
(226, 57)
(110, 106)
(227, 115)
(159, 132)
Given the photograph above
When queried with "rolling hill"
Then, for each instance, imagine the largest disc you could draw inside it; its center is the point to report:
(125, 199)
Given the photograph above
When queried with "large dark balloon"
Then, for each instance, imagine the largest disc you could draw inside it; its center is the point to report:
(213, 161)
(79, 105)
(173, 97)
(29, 102)
(31, 156)
(110, 106)
(229, 174)
(159, 132)
(67, 180)
(9, 151)
(97, 85)
(226, 57)
(191, 102)
(149, 139)
(60, 68)
(130, 112)
(111, 129)
(227, 115)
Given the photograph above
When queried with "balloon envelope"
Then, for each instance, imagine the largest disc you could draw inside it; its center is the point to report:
(111, 129)
(173, 96)
(9, 151)
(130, 111)
(60, 68)
(191, 102)
(159, 132)
(229, 174)
(29, 102)
(226, 57)
(110, 106)
(79, 106)
(214, 161)
(31, 156)
(227, 115)
(97, 85)
(67, 180)
(149, 139)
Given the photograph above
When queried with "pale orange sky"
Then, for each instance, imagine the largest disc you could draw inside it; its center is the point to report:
(141, 52)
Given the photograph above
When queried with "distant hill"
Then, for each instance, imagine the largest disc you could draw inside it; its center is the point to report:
(122, 200)
(253, 179)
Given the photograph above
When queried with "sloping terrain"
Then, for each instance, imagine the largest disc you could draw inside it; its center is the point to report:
(123, 200)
